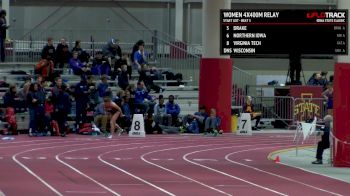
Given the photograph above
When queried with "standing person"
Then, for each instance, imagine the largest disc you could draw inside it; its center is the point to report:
(3, 28)
(123, 79)
(62, 106)
(324, 143)
(328, 94)
(172, 109)
(63, 54)
(82, 99)
(295, 66)
(35, 102)
(138, 55)
(49, 50)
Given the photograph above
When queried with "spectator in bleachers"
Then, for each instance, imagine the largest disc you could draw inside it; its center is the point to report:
(318, 79)
(11, 97)
(146, 77)
(82, 99)
(125, 120)
(49, 111)
(100, 65)
(35, 103)
(142, 98)
(173, 109)
(112, 51)
(248, 107)
(63, 53)
(194, 123)
(77, 66)
(138, 55)
(3, 28)
(123, 79)
(160, 114)
(62, 105)
(93, 92)
(49, 51)
(118, 65)
(103, 87)
(212, 123)
(23, 92)
(82, 55)
(45, 68)
(328, 95)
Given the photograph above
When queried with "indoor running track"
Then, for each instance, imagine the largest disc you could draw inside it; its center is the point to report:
(155, 165)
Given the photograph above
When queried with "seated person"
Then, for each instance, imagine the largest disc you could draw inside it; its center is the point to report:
(77, 66)
(172, 109)
(103, 87)
(324, 143)
(248, 107)
(100, 66)
(146, 77)
(160, 114)
(123, 78)
(142, 98)
(45, 68)
(212, 123)
(194, 123)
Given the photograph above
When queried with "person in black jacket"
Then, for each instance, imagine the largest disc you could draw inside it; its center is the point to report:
(11, 98)
(35, 103)
(82, 99)
(123, 79)
(3, 28)
(49, 51)
(63, 53)
(324, 143)
(62, 106)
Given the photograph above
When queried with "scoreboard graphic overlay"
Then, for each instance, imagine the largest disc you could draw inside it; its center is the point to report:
(245, 33)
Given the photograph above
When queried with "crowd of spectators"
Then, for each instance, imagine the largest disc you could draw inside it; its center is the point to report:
(92, 100)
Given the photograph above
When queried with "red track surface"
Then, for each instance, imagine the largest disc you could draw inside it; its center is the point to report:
(155, 165)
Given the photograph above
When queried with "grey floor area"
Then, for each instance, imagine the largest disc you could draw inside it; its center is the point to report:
(305, 156)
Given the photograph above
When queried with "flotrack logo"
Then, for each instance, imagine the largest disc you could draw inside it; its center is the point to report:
(322, 15)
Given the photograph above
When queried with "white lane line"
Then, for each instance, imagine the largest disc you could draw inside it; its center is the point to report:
(86, 192)
(14, 158)
(132, 175)
(233, 185)
(76, 158)
(162, 159)
(2, 193)
(127, 184)
(248, 160)
(41, 158)
(122, 159)
(89, 148)
(273, 174)
(50, 143)
(1, 157)
(27, 158)
(226, 174)
(178, 174)
(205, 159)
(172, 181)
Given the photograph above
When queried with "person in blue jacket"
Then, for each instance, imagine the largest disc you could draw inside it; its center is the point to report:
(172, 109)
(142, 99)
